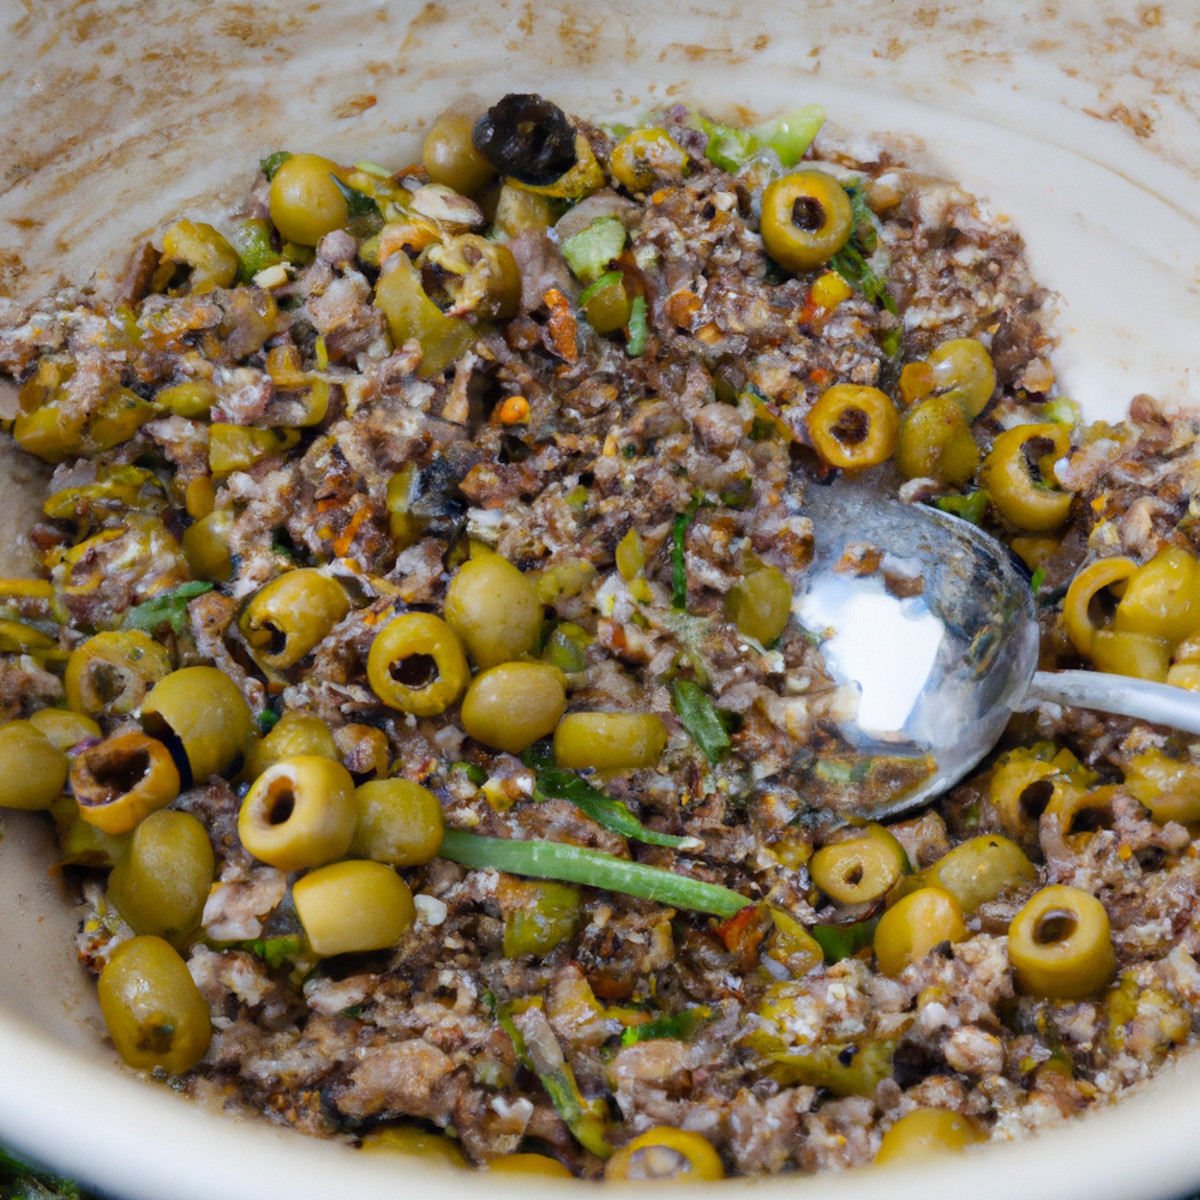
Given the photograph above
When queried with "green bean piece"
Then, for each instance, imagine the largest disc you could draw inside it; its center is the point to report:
(701, 719)
(576, 864)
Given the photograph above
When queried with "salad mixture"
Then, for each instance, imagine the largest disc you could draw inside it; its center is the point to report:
(414, 682)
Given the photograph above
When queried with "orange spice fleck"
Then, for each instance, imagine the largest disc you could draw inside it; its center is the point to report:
(562, 326)
(513, 411)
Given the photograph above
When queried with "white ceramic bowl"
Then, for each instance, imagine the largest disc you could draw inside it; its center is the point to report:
(1076, 119)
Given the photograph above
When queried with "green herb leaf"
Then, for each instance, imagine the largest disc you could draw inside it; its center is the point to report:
(358, 204)
(605, 810)
(1037, 579)
(681, 1026)
(271, 164)
(842, 941)
(166, 608)
(970, 507)
(638, 328)
(276, 951)
(701, 719)
(850, 262)
(267, 719)
(679, 530)
(580, 1117)
(20, 1180)
(577, 864)
(843, 770)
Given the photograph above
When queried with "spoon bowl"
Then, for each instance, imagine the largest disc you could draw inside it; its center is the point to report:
(930, 625)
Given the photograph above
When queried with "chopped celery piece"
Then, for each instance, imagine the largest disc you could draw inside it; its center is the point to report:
(792, 134)
(589, 251)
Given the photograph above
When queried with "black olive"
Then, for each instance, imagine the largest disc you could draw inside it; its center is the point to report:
(526, 137)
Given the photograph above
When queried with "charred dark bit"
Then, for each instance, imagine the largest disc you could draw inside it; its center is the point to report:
(526, 137)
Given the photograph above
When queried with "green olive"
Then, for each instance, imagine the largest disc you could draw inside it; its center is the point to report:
(538, 916)
(609, 305)
(1060, 944)
(665, 1153)
(161, 882)
(494, 609)
(913, 926)
(412, 1140)
(416, 664)
(449, 155)
(294, 733)
(353, 906)
(205, 545)
(859, 869)
(35, 769)
(475, 277)
(513, 705)
(299, 813)
(110, 673)
(193, 399)
(213, 261)
(609, 741)
(152, 1008)
(288, 618)
(963, 371)
(64, 728)
(982, 868)
(528, 1163)
(936, 442)
(80, 843)
(926, 1131)
(120, 781)
(759, 604)
(400, 295)
(205, 712)
(644, 156)
(305, 202)
(806, 219)
(399, 822)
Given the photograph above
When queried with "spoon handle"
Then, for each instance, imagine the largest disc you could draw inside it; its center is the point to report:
(1159, 703)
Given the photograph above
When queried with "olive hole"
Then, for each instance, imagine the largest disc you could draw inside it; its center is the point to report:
(123, 774)
(156, 1038)
(276, 638)
(157, 728)
(416, 671)
(281, 803)
(1054, 927)
(1089, 820)
(854, 876)
(105, 683)
(1034, 450)
(808, 214)
(1035, 797)
(852, 426)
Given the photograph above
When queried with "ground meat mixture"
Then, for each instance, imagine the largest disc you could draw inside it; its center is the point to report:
(610, 382)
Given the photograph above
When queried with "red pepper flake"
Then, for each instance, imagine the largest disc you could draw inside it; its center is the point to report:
(742, 931)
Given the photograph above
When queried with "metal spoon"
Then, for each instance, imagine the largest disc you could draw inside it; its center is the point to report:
(933, 624)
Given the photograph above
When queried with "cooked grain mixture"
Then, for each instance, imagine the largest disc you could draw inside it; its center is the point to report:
(415, 686)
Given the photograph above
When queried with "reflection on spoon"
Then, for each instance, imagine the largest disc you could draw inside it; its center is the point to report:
(930, 621)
